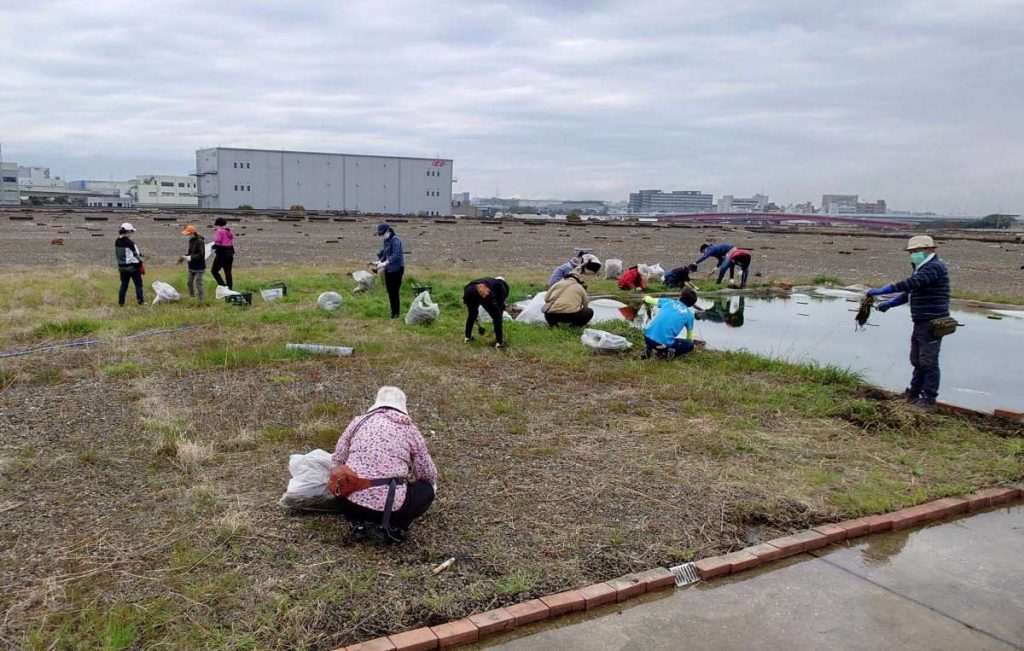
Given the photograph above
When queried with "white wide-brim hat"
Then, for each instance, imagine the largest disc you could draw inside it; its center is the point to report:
(920, 242)
(392, 398)
(127, 227)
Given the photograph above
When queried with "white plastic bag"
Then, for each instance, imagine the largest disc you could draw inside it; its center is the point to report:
(223, 291)
(599, 341)
(422, 310)
(165, 293)
(209, 251)
(308, 485)
(612, 269)
(484, 317)
(651, 271)
(365, 280)
(533, 312)
(329, 301)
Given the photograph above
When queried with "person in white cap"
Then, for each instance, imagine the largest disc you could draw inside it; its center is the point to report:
(381, 470)
(928, 292)
(129, 263)
(581, 263)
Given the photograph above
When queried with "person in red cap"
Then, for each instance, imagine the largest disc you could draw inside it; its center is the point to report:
(195, 256)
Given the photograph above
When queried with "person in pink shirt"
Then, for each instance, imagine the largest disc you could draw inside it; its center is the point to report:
(381, 445)
(223, 253)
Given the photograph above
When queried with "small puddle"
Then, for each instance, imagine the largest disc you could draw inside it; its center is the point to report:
(980, 361)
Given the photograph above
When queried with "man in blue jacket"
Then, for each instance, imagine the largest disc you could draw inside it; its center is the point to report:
(391, 261)
(928, 292)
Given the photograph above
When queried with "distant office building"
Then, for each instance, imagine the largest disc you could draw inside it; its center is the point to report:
(496, 202)
(38, 179)
(874, 208)
(839, 204)
(806, 208)
(679, 201)
(583, 205)
(109, 201)
(113, 188)
(730, 204)
(164, 190)
(460, 197)
(9, 194)
(261, 178)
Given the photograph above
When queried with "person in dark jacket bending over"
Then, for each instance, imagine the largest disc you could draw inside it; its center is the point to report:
(490, 294)
(729, 257)
(928, 292)
(129, 263)
(391, 261)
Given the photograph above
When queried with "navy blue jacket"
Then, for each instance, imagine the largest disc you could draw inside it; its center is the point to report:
(717, 251)
(927, 290)
(391, 252)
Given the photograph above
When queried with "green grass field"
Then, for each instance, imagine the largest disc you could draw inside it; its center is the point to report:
(139, 477)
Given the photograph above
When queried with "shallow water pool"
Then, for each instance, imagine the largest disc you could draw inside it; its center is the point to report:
(980, 362)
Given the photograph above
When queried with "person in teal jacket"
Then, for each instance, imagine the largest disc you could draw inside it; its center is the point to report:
(664, 336)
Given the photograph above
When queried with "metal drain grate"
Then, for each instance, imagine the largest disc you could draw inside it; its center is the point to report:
(685, 574)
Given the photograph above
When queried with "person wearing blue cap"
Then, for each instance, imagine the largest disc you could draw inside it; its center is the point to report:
(391, 261)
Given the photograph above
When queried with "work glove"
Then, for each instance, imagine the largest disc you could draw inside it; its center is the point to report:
(882, 307)
(878, 291)
(381, 265)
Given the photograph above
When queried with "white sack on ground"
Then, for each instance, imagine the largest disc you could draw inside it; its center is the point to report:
(612, 269)
(600, 341)
(484, 317)
(165, 293)
(651, 271)
(329, 301)
(422, 310)
(533, 313)
(222, 292)
(308, 485)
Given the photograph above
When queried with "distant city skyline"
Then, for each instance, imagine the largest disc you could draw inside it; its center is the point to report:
(916, 102)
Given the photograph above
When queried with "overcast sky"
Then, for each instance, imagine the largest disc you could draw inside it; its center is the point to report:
(917, 102)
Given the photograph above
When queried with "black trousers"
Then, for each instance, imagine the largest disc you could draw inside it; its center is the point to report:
(924, 358)
(130, 274)
(223, 261)
(393, 283)
(474, 303)
(419, 495)
(574, 319)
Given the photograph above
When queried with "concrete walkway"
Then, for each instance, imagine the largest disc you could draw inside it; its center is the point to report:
(952, 585)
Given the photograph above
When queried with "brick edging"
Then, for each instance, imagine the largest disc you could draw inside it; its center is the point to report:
(475, 627)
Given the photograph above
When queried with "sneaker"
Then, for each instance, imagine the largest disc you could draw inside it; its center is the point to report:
(924, 403)
(359, 531)
(908, 396)
(394, 536)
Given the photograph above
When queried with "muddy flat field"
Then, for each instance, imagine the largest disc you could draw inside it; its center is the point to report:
(977, 268)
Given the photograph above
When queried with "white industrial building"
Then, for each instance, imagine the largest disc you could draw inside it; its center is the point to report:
(9, 193)
(229, 178)
(164, 190)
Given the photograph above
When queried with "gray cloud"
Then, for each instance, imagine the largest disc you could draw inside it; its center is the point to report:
(916, 101)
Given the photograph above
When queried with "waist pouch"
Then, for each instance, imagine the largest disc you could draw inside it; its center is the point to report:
(942, 326)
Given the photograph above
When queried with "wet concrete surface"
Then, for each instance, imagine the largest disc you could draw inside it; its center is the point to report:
(952, 585)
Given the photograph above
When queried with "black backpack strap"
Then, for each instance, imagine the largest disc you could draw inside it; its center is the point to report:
(389, 505)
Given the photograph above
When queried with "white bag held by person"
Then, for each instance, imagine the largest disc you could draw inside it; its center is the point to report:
(223, 292)
(365, 280)
(422, 310)
(329, 301)
(599, 341)
(612, 269)
(534, 313)
(165, 293)
(209, 251)
(308, 485)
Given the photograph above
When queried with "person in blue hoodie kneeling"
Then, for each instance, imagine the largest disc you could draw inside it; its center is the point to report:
(664, 336)
(927, 290)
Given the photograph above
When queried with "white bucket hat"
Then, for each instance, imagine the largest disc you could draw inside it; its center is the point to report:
(392, 398)
(920, 242)
(127, 227)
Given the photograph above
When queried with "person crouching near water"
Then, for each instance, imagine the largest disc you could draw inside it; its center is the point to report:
(567, 302)
(664, 336)
(631, 279)
(489, 294)
(583, 263)
(381, 471)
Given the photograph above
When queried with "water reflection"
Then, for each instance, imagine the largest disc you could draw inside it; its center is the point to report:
(724, 309)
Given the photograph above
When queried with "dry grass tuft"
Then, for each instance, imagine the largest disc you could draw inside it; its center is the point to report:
(192, 453)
